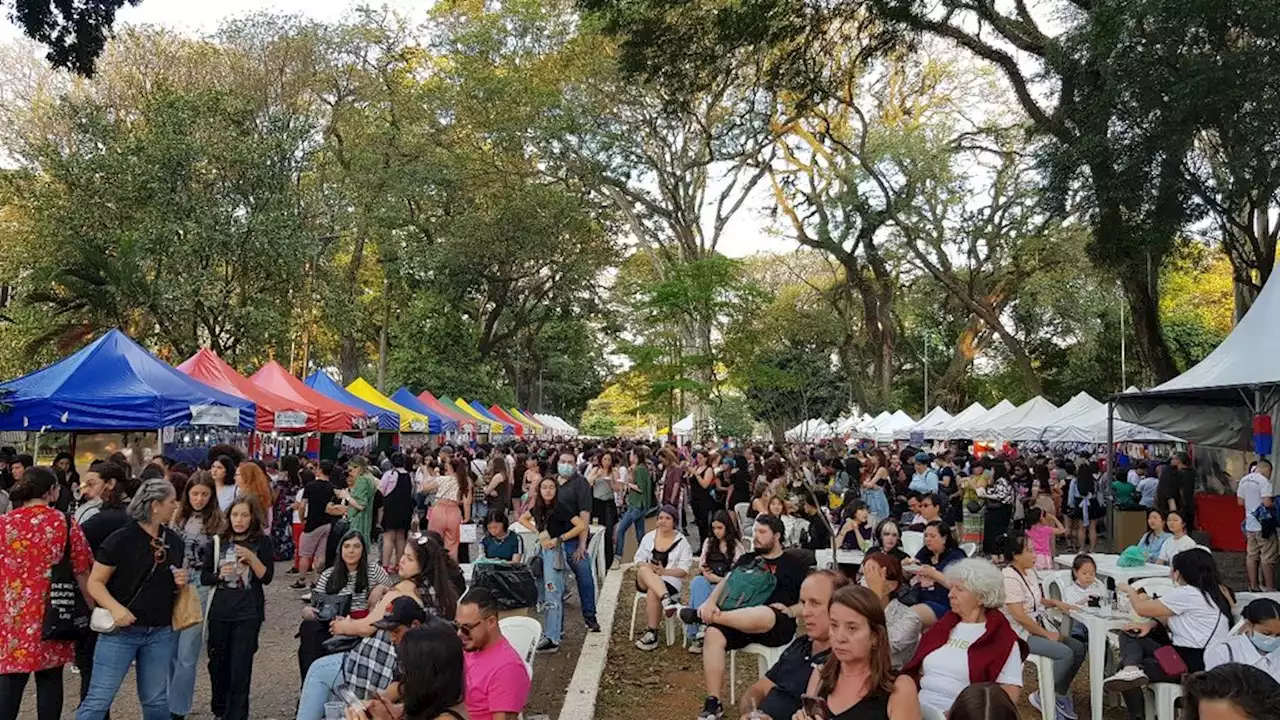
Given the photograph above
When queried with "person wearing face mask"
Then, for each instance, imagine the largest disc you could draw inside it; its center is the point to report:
(1259, 643)
(575, 492)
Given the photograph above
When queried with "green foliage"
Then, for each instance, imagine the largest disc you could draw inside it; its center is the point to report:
(74, 32)
(598, 425)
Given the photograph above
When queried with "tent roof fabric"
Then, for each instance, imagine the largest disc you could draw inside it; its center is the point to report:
(439, 423)
(502, 415)
(557, 423)
(483, 412)
(884, 430)
(967, 430)
(275, 413)
(410, 421)
(1031, 429)
(114, 384)
(527, 420)
(463, 421)
(947, 430)
(1089, 425)
(931, 420)
(1029, 411)
(386, 419)
(493, 426)
(334, 416)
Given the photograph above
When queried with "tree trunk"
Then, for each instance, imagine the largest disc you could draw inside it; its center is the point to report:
(382, 335)
(348, 343)
(972, 340)
(1144, 309)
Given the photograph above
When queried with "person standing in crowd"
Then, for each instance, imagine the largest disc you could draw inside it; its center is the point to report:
(973, 517)
(875, 480)
(555, 522)
(1147, 485)
(1169, 494)
(497, 680)
(1261, 545)
(317, 497)
(1257, 643)
(35, 537)
(68, 479)
(576, 493)
(1178, 541)
(702, 499)
(772, 624)
(999, 512)
(198, 520)
(452, 505)
(396, 489)
(223, 469)
(604, 481)
(662, 564)
(639, 498)
(361, 489)
(719, 552)
(777, 694)
(924, 481)
(251, 479)
(1083, 496)
(495, 490)
(856, 681)
(1196, 613)
(136, 577)
(882, 573)
(103, 514)
(672, 479)
(244, 565)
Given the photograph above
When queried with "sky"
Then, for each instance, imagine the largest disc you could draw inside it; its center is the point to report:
(746, 234)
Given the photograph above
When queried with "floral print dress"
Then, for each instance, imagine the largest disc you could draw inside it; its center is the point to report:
(32, 540)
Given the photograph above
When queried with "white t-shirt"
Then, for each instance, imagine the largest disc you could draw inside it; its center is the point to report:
(1252, 488)
(944, 674)
(1073, 594)
(1173, 546)
(297, 516)
(1196, 622)
(1240, 649)
(1025, 589)
(680, 556)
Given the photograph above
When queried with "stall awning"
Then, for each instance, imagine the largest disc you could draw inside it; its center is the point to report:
(465, 422)
(275, 413)
(534, 426)
(407, 399)
(384, 419)
(334, 416)
(410, 421)
(502, 415)
(488, 423)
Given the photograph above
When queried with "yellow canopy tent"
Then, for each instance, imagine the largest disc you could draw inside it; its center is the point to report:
(410, 421)
(530, 425)
(495, 428)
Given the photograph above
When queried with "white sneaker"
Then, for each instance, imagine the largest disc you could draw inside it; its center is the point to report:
(1128, 678)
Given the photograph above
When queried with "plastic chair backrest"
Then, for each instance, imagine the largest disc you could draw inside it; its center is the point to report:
(741, 510)
(912, 542)
(969, 548)
(1053, 582)
(523, 634)
(930, 713)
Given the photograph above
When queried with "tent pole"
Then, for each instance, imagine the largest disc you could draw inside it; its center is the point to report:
(1111, 472)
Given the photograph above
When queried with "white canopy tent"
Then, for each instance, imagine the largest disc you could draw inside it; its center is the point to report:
(813, 429)
(851, 423)
(885, 430)
(683, 427)
(556, 424)
(1029, 411)
(1031, 430)
(945, 430)
(1089, 425)
(932, 419)
(969, 430)
(865, 429)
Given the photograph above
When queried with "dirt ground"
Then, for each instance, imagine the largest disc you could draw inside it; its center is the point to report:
(668, 683)
(276, 683)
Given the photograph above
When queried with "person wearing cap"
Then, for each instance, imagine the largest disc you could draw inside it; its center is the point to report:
(497, 681)
(924, 481)
(365, 669)
(662, 564)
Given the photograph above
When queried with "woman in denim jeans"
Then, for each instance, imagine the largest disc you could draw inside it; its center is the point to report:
(136, 577)
(640, 499)
(198, 521)
(555, 522)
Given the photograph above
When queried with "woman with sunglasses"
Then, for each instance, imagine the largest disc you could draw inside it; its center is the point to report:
(136, 577)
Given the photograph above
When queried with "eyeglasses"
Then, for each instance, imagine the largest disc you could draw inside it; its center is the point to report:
(465, 628)
(159, 551)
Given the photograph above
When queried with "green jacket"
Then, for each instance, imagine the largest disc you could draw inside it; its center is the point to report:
(644, 499)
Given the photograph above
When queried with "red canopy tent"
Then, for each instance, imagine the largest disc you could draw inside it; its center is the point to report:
(334, 416)
(505, 417)
(465, 422)
(274, 412)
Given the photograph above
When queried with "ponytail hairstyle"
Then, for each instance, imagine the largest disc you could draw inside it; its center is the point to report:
(1196, 568)
(867, 604)
(36, 482)
(1260, 611)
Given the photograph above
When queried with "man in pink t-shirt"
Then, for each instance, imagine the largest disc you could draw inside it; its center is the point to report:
(496, 676)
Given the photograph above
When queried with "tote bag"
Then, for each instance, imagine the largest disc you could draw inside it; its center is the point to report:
(66, 615)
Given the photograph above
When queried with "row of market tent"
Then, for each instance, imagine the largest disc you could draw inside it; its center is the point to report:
(1081, 420)
(113, 384)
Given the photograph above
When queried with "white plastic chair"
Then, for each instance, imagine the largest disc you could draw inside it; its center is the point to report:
(766, 656)
(670, 622)
(1048, 692)
(969, 548)
(1160, 700)
(931, 713)
(595, 551)
(823, 559)
(523, 633)
(740, 509)
(1053, 583)
(912, 542)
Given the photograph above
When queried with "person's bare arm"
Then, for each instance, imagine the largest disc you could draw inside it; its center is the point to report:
(755, 695)
(527, 521)
(1013, 691)
(904, 701)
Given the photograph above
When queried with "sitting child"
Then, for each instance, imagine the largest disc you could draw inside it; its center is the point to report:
(1084, 591)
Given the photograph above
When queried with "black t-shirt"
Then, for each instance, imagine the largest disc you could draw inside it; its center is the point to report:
(576, 494)
(698, 495)
(741, 485)
(788, 570)
(129, 551)
(790, 678)
(105, 522)
(317, 494)
(819, 537)
(233, 600)
(559, 520)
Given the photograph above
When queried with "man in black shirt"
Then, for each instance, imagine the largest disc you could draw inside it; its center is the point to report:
(317, 495)
(777, 694)
(576, 492)
(772, 624)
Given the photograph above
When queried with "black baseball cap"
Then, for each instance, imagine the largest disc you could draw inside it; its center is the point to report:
(401, 611)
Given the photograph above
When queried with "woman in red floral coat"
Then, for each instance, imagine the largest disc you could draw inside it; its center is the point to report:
(33, 538)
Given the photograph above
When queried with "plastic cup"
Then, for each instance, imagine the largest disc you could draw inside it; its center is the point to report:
(335, 710)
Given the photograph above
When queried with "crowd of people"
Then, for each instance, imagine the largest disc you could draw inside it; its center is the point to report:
(389, 627)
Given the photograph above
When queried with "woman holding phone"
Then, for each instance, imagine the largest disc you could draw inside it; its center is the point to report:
(662, 564)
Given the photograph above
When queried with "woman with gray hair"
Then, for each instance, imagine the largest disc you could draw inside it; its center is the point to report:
(136, 577)
(972, 643)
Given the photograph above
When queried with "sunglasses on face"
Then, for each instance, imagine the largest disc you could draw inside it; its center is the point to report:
(465, 628)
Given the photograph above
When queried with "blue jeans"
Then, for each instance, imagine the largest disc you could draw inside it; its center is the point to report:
(583, 575)
(700, 589)
(152, 648)
(323, 676)
(186, 656)
(633, 517)
(551, 595)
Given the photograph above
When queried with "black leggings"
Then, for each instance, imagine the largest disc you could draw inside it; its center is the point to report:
(606, 511)
(48, 694)
(232, 644)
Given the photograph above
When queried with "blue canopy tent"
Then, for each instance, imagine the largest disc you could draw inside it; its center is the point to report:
(386, 420)
(506, 426)
(439, 423)
(113, 384)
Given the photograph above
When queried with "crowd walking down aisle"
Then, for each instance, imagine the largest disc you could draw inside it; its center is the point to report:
(877, 583)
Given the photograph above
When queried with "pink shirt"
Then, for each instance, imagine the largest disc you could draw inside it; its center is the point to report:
(497, 681)
(1042, 540)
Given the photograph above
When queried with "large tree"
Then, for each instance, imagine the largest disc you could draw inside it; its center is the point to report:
(74, 32)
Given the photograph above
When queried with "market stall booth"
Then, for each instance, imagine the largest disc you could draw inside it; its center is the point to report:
(496, 429)
(385, 423)
(467, 425)
(335, 420)
(414, 426)
(517, 426)
(446, 427)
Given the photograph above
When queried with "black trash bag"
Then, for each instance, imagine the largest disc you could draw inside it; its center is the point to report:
(512, 584)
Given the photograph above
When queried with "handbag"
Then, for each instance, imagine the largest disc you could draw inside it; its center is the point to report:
(66, 614)
(329, 606)
(102, 621)
(187, 612)
(1170, 660)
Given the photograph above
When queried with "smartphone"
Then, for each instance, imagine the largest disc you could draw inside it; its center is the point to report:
(1095, 601)
(814, 707)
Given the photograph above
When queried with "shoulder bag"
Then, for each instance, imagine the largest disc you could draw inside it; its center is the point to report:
(66, 614)
(1171, 662)
(102, 621)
